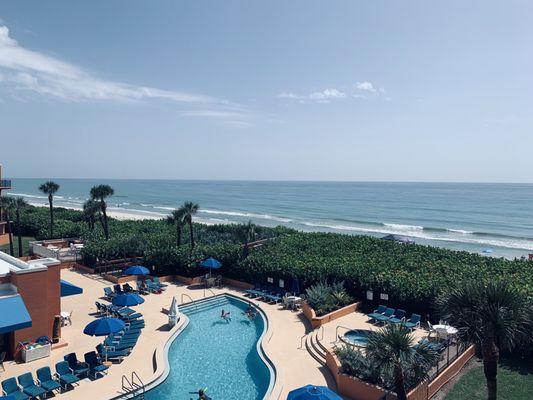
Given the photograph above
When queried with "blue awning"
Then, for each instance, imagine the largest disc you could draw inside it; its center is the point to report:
(13, 314)
(68, 289)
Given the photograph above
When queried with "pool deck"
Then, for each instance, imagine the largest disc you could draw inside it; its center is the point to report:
(295, 367)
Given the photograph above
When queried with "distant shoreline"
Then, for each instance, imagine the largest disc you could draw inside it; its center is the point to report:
(124, 215)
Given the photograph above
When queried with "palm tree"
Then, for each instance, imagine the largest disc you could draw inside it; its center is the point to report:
(6, 204)
(393, 350)
(19, 204)
(100, 193)
(50, 188)
(490, 315)
(176, 217)
(91, 208)
(189, 209)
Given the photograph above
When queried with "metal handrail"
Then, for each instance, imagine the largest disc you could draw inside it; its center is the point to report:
(141, 386)
(301, 341)
(124, 387)
(214, 294)
(192, 301)
(337, 332)
(320, 329)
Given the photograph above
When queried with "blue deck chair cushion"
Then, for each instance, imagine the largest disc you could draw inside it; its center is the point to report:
(398, 317)
(378, 312)
(66, 377)
(386, 315)
(28, 385)
(11, 388)
(45, 378)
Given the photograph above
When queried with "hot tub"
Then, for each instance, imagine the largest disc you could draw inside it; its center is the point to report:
(357, 337)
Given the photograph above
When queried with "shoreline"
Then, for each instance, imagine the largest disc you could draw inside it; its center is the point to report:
(139, 215)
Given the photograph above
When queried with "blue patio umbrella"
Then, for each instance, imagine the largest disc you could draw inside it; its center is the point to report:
(104, 326)
(211, 263)
(310, 392)
(136, 270)
(128, 299)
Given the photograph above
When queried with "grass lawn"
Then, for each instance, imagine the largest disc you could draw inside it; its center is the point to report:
(515, 382)
(25, 245)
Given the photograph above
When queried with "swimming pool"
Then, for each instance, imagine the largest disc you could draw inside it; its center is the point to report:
(223, 355)
(357, 337)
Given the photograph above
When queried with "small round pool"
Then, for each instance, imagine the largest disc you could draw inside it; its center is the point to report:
(357, 337)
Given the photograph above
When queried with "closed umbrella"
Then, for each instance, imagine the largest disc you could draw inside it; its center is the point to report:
(173, 313)
(127, 300)
(311, 392)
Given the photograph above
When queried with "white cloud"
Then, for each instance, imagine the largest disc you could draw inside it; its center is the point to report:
(34, 72)
(365, 86)
(324, 96)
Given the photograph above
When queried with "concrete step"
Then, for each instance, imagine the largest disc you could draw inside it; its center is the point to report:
(311, 347)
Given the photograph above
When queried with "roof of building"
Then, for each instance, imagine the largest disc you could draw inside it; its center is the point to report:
(9, 264)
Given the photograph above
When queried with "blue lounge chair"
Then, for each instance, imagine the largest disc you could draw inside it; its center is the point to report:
(389, 312)
(378, 312)
(80, 368)
(95, 364)
(435, 346)
(65, 375)
(108, 293)
(111, 354)
(398, 317)
(46, 381)
(413, 322)
(11, 388)
(29, 387)
(159, 283)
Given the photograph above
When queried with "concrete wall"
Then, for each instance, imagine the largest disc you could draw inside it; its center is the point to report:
(41, 292)
(315, 321)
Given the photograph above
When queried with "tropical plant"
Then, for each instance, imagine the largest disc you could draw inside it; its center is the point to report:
(6, 204)
(19, 204)
(101, 193)
(91, 210)
(355, 363)
(189, 209)
(324, 297)
(176, 218)
(50, 188)
(394, 351)
(491, 315)
(248, 234)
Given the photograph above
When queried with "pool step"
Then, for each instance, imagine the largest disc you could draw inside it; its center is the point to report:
(202, 305)
(315, 348)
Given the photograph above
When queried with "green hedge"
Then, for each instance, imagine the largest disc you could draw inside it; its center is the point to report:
(412, 275)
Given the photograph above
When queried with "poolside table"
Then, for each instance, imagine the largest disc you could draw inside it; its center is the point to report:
(445, 330)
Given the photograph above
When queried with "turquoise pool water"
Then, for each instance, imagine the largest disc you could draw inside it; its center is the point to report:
(357, 337)
(220, 355)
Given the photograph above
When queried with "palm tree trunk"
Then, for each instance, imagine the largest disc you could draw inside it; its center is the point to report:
(10, 234)
(19, 235)
(399, 384)
(105, 226)
(192, 233)
(50, 202)
(491, 355)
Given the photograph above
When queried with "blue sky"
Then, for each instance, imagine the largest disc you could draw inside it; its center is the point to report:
(299, 90)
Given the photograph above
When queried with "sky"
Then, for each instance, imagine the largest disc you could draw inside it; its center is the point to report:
(277, 90)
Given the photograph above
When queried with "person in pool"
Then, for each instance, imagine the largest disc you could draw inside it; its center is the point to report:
(201, 394)
(250, 312)
(224, 315)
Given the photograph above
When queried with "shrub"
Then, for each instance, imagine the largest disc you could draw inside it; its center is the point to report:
(324, 298)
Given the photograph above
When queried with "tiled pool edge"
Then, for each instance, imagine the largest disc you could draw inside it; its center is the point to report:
(275, 387)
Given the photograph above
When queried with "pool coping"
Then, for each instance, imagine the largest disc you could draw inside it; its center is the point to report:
(160, 376)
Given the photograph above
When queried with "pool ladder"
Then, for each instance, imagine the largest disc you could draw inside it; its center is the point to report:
(133, 386)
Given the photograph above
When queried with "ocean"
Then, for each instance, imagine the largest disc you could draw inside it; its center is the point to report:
(491, 219)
